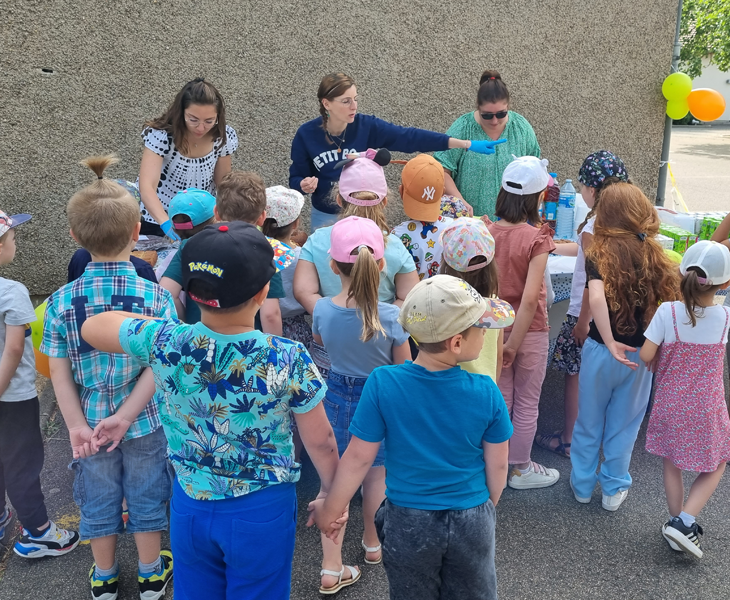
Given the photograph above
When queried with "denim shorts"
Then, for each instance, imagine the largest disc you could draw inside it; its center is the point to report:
(340, 403)
(137, 470)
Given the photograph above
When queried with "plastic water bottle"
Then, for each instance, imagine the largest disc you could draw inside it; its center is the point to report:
(566, 209)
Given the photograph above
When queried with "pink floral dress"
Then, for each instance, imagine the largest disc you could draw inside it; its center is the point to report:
(689, 423)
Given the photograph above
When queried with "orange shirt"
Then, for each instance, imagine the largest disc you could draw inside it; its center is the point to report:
(514, 247)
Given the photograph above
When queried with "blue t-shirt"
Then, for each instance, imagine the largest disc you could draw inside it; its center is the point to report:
(433, 424)
(317, 251)
(225, 402)
(312, 155)
(341, 328)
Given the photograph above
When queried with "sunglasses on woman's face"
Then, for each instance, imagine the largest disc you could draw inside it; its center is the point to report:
(489, 116)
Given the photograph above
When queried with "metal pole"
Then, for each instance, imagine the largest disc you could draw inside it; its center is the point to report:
(662, 187)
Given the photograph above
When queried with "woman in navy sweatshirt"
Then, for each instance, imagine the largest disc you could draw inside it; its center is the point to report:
(323, 142)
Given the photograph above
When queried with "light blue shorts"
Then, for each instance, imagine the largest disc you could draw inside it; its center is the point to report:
(137, 470)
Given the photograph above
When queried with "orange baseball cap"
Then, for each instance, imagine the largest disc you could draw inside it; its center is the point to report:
(423, 186)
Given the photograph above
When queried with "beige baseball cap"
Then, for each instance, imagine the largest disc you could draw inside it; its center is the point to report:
(443, 306)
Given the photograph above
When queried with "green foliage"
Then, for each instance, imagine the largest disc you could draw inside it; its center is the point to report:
(705, 33)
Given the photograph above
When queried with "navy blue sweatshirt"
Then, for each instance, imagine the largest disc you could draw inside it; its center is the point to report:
(312, 154)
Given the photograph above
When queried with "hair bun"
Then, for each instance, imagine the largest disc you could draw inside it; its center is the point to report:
(489, 74)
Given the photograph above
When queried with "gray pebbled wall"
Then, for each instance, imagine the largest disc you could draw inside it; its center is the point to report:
(586, 75)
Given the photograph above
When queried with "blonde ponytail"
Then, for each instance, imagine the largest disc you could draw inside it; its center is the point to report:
(365, 274)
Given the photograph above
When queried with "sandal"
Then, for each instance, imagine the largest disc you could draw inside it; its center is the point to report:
(354, 576)
(543, 440)
(372, 550)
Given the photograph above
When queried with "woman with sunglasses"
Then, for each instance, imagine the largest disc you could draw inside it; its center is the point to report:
(477, 179)
(322, 143)
(190, 145)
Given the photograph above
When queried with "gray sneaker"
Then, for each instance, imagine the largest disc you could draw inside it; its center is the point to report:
(537, 477)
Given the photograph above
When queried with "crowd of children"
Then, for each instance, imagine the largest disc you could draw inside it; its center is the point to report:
(407, 363)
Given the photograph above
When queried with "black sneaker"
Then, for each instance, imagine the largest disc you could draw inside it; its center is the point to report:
(152, 585)
(683, 538)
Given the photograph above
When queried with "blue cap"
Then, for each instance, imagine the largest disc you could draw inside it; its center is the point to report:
(196, 204)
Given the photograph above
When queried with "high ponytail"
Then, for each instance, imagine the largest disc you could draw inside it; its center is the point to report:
(692, 289)
(365, 274)
(491, 88)
(103, 215)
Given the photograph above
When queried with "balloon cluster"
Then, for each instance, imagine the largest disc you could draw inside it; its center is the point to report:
(704, 104)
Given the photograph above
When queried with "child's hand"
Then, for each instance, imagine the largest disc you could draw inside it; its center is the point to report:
(652, 364)
(81, 444)
(619, 350)
(508, 357)
(580, 332)
(110, 431)
(327, 524)
(486, 220)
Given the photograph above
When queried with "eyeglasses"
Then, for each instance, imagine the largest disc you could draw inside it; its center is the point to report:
(487, 116)
(348, 101)
(193, 122)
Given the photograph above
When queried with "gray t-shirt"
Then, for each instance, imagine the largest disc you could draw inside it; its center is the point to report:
(17, 309)
(340, 329)
(289, 305)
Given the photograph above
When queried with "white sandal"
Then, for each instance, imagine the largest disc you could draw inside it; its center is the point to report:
(372, 550)
(354, 576)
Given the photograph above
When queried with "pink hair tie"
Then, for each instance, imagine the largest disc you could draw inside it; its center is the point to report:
(702, 280)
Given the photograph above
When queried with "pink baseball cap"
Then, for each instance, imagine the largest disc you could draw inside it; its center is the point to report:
(363, 174)
(351, 234)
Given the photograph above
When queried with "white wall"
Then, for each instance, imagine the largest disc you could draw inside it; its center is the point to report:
(718, 80)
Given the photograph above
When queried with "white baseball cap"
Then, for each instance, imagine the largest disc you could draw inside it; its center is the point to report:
(712, 257)
(526, 175)
(283, 205)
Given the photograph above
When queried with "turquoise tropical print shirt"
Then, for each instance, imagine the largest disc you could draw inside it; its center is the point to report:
(226, 403)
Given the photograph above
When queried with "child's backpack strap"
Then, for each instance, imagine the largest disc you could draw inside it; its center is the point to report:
(724, 331)
(674, 322)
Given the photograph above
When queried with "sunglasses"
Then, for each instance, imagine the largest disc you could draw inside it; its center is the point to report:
(489, 116)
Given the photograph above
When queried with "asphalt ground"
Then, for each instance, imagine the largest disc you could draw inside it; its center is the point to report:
(548, 546)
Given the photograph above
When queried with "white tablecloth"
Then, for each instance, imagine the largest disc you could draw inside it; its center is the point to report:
(561, 275)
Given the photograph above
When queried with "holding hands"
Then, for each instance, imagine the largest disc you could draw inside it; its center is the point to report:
(327, 522)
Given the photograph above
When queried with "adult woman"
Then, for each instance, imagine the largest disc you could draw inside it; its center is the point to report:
(320, 144)
(477, 179)
(190, 145)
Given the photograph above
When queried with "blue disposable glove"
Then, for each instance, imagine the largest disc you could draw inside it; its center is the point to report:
(170, 232)
(484, 146)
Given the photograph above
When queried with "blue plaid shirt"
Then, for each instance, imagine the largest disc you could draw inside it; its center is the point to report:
(104, 380)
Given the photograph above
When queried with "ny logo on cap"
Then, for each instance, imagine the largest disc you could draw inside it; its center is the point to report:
(428, 193)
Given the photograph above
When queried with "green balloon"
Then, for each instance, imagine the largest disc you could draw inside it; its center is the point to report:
(677, 87)
(36, 328)
(677, 109)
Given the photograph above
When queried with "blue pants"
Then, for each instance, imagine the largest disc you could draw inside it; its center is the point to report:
(322, 219)
(234, 549)
(612, 401)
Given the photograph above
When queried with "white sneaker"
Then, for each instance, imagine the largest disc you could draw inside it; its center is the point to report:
(612, 503)
(580, 499)
(537, 477)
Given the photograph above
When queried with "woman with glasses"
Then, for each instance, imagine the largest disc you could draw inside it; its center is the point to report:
(190, 145)
(319, 145)
(477, 179)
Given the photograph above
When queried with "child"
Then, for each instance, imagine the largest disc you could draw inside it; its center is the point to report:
(443, 428)
(230, 395)
(521, 256)
(241, 196)
(468, 253)
(422, 185)
(689, 424)
(91, 385)
(628, 276)
(599, 169)
(21, 443)
(283, 207)
(359, 333)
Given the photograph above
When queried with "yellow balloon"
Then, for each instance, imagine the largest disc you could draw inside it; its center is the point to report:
(675, 257)
(677, 109)
(677, 86)
(706, 104)
(36, 328)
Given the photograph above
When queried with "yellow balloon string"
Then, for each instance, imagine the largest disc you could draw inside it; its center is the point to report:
(676, 189)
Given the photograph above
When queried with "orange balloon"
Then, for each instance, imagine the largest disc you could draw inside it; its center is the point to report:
(706, 104)
(41, 364)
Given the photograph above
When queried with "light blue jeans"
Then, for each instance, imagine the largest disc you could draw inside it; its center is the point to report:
(612, 401)
(321, 219)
